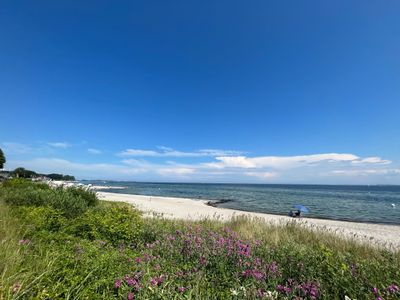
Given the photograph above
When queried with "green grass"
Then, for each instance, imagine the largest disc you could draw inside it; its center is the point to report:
(107, 251)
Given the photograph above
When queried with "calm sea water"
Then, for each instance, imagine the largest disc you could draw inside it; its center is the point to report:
(350, 203)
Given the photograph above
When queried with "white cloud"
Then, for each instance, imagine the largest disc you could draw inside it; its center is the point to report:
(138, 152)
(176, 171)
(367, 172)
(262, 175)
(61, 145)
(219, 152)
(169, 152)
(371, 160)
(279, 162)
(140, 165)
(94, 151)
(56, 165)
(166, 169)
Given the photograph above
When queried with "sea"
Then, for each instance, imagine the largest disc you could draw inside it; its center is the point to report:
(366, 203)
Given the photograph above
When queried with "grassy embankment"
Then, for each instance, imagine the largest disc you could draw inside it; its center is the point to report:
(65, 244)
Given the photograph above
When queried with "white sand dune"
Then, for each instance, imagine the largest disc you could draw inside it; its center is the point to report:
(189, 209)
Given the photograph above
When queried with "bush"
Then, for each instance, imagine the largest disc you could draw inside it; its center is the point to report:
(115, 223)
(41, 219)
(71, 202)
(23, 183)
(88, 196)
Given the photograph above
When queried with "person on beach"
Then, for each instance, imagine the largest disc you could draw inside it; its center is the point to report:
(294, 214)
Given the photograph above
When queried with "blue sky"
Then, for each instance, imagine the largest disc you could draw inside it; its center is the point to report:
(217, 91)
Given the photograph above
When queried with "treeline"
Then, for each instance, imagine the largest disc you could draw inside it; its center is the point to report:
(24, 173)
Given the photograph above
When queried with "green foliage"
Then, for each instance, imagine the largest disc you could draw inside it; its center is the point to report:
(17, 183)
(108, 251)
(23, 173)
(71, 202)
(2, 159)
(55, 176)
(114, 223)
(87, 196)
(41, 219)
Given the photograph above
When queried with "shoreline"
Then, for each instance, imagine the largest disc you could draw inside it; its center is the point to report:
(386, 235)
(215, 203)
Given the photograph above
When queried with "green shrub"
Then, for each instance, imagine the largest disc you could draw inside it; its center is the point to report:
(23, 183)
(113, 222)
(88, 196)
(71, 202)
(41, 219)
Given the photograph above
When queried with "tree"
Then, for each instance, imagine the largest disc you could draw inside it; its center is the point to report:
(2, 159)
(56, 176)
(23, 173)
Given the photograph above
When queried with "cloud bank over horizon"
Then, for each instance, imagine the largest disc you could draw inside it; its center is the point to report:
(204, 165)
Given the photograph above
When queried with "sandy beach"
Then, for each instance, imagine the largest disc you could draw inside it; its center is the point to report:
(189, 209)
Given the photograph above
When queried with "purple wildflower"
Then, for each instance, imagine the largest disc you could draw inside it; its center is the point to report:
(117, 283)
(153, 281)
(131, 281)
(203, 260)
(392, 289)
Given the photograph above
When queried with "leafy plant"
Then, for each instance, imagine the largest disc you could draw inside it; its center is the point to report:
(71, 201)
(114, 223)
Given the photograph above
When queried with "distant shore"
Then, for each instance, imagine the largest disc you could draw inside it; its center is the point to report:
(189, 209)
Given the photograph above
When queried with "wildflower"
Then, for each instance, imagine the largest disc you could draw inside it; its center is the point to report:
(147, 257)
(117, 283)
(138, 260)
(160, 279)
(283, 289)
(243, 289)
(181, 289)
(271, 295)
(15, 288)
(258, 275)
(153, 281)
(203, 260)
(130, 296)
(234, 292)
(131, 281)
(254, 273)
(273, 269)
(392, 289)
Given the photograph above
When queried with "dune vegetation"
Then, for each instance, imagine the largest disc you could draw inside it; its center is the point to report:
(66, 244)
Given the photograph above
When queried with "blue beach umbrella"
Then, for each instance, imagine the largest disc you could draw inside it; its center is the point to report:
(301, 208)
